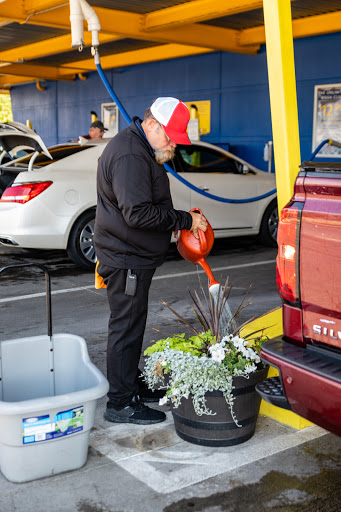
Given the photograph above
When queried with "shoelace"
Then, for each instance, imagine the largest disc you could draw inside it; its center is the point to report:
(140, 406)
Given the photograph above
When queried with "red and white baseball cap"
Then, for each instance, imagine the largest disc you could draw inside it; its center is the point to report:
(173, 115)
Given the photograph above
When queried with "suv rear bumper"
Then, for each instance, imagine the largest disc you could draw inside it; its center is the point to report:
(310, 381)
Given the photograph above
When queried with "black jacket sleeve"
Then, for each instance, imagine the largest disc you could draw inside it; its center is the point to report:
(134, 186)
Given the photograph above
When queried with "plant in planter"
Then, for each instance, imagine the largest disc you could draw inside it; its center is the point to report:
(210, 378)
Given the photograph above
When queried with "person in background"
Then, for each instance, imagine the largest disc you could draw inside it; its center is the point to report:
(96, 130)
(134, 223)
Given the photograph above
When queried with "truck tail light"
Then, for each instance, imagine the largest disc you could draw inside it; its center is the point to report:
(288, 252)
(24, 192)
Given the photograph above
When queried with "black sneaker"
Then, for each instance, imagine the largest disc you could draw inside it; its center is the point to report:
(136, 412)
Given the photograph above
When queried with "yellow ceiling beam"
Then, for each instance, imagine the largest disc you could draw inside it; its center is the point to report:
(31, 6)
(250, 35)
(317, 25)
(13, 10)
(303, 27)
(49, 47)
(171, 51)
(168, 51)
(39, 72)
(196, 11)
(4, 22)
(129, 24)
(9, 80)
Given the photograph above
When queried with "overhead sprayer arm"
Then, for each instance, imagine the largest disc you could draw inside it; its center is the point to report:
(80, 10)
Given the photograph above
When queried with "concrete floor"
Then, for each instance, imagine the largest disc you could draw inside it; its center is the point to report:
(132, 468)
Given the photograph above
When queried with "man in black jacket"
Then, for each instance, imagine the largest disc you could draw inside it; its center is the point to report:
(134, 222)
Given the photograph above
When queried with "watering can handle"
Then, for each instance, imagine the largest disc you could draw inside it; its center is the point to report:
(202, 240)
(202, 236)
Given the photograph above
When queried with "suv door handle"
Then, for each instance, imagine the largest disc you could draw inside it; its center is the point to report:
(205, 189)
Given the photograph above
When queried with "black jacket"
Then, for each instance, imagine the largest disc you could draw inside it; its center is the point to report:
(135, 215)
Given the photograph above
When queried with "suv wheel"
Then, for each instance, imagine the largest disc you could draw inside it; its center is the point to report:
(81, 248)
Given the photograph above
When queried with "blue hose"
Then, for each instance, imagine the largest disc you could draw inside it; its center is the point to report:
(166, 166)
(212, 196)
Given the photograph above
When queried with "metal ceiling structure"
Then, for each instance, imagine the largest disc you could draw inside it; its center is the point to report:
(35, 40)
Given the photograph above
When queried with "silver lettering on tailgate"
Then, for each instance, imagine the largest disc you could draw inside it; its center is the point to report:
(324, 331)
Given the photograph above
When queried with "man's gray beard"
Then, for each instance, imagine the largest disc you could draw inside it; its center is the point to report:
(162, 156)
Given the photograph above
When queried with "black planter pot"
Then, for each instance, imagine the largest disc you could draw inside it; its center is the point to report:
(220, 429)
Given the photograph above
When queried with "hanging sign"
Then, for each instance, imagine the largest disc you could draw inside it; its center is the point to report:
(327, 119)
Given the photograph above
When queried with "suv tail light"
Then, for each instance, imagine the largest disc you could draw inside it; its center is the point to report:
(24, 192)
(288, 252)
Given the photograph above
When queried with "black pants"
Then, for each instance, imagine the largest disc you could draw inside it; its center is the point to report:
(127, 323)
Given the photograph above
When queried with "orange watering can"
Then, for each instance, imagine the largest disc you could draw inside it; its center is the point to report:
(195, 249)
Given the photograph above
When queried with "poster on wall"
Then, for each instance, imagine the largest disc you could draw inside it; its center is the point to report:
(327, 119)
(109, 116)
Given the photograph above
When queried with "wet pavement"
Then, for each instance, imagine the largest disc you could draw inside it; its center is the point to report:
(132, 468)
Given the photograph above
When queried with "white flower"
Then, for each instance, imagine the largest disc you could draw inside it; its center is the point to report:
(250, 368)
(163, 363)
(217, 352)
(175, 391)
(163, 400)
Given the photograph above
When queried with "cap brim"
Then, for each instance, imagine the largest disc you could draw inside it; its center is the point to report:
(177, 137)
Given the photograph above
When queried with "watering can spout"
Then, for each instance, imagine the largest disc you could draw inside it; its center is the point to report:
(195, 249)
(205, 266)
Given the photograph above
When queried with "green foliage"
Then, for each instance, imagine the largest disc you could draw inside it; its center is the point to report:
(191, 366)
(195, 345)
(5, 108)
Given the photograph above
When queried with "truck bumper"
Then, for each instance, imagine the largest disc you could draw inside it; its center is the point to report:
(309, 382)
(271, 390)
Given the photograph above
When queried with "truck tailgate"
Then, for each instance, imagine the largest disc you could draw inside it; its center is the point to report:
(320, 258)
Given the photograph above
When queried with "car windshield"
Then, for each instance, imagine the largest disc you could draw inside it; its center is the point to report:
(197, 158)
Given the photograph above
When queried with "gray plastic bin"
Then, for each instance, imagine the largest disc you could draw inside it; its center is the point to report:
(48, 393)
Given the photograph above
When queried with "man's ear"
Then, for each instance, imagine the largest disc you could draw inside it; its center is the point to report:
(150, 124)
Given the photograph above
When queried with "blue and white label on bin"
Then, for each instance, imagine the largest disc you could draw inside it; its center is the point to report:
(42, 428)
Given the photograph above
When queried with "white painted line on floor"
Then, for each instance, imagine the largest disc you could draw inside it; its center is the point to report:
(149, 453)
(166, 276)
(181, 274)
(55, 292)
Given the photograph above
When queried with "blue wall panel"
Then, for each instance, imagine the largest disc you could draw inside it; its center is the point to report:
(236, 84)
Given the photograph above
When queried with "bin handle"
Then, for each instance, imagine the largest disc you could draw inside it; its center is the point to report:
(48, 289)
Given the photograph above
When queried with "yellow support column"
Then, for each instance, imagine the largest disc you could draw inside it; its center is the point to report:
(283, 101)
(282, 85)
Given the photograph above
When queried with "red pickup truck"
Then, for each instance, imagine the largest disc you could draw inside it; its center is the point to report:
(308, 354)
